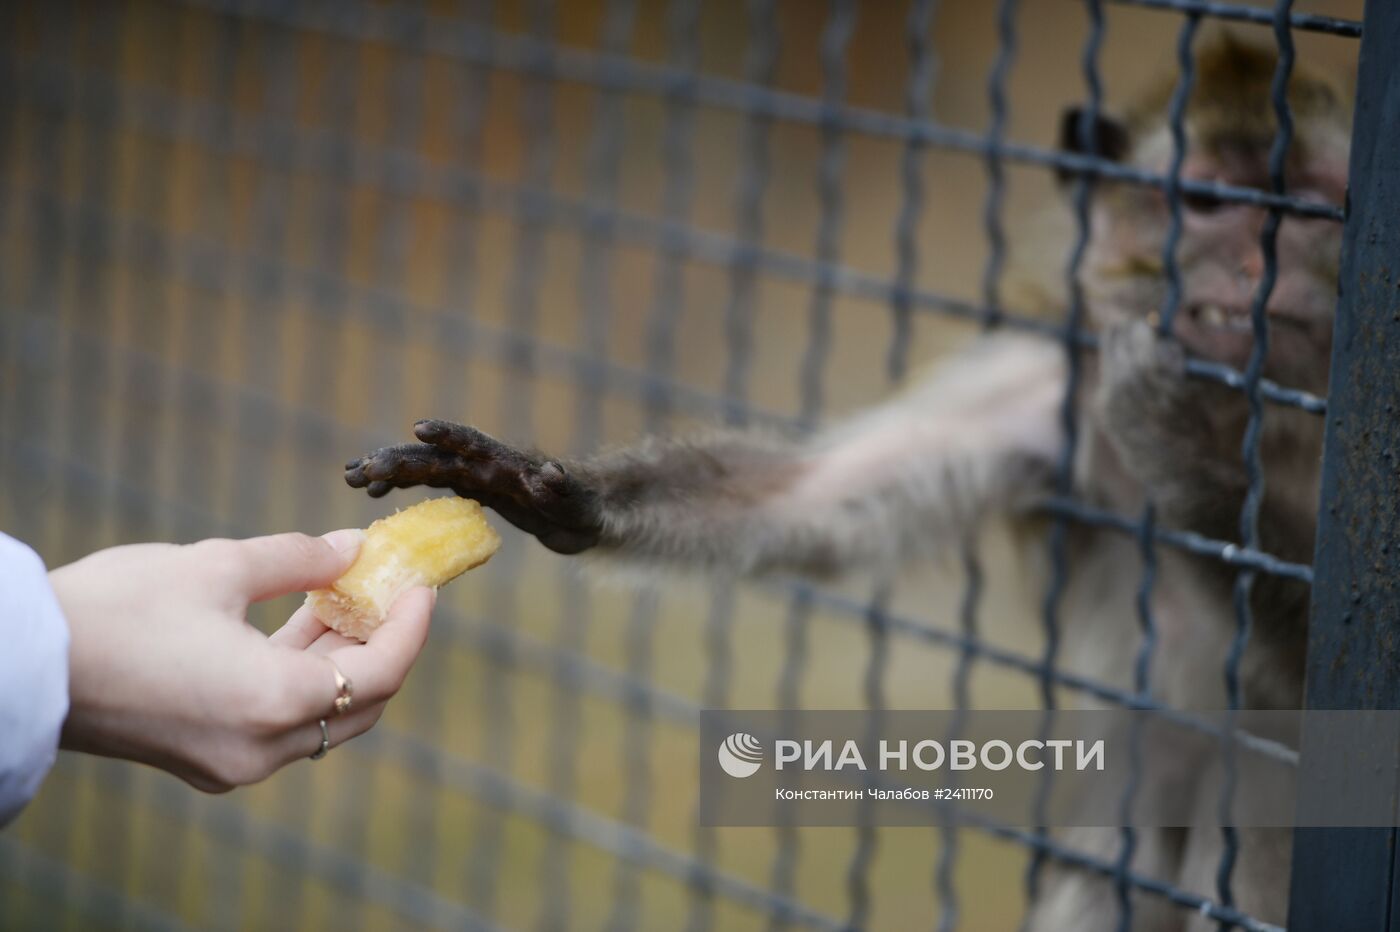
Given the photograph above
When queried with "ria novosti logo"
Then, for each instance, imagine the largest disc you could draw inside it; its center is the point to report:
(740, 755)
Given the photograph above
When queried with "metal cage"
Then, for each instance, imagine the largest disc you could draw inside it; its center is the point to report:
(246, 239)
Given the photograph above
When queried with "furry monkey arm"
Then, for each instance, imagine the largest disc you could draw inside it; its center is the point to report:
(976, 437)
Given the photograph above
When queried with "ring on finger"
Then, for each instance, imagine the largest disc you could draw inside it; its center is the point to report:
(325, 742)
(344, 689)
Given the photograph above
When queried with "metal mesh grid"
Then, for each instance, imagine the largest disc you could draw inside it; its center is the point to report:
(175, 361)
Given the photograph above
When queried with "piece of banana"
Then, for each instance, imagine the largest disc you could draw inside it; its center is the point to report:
(428, 544)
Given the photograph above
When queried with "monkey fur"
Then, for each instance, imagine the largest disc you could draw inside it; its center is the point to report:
(979, 439)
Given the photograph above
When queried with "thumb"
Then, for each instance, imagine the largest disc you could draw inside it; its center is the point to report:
(282, 563)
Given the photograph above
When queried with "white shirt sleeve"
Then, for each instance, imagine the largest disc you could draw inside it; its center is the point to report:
(33, 675)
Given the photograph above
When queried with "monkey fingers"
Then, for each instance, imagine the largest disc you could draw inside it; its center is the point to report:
(1144, 373)
(404, 466)
(459, 438)
(1137, 350)
(532, 492)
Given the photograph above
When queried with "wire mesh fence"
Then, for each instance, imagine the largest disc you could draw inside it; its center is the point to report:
(245, 240)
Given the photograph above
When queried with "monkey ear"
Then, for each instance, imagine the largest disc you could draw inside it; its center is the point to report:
(1107, 138)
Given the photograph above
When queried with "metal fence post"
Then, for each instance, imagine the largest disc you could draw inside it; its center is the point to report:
(1350, 878)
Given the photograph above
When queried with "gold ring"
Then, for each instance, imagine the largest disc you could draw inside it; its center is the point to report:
(344, 689)
(325, 742)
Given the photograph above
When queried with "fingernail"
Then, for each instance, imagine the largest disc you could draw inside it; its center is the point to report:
(346, 540)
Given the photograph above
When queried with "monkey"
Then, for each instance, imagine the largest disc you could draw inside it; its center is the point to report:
(978, 439)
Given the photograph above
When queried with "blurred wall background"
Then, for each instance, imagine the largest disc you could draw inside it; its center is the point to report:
(236, 251)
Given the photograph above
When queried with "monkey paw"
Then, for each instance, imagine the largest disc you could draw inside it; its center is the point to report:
(1145, 403)
(1141, 365)
(532, 492)
(1136, 357)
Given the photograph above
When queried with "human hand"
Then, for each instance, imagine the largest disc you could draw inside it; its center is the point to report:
(165, 669)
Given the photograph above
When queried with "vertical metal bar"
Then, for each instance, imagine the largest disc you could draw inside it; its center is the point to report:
(260, 362)
(469, 90)
(1171, 302)
(461, 240)
(36, 411)
(9, 311)
(760, 67)
(405, 93)
(604, 166)
(91, 308)
(841, 21)
(197, 470)
(719, 660)
(683, 42)
(962, 701)
(327, 207)
(33, 411)
(835, 37)
(1253, 466)
(992, 161)
(1176, 123)
(1346, 878)
(918, 93)
(789, 697)
(393, 225)
(10, 358)
(95, 311)
(873, 687)
(147, 395)
(1064, 479)
(193, 452)
(497, 702)
(447, 374)
(260, 359)
(944, 886)
(668, 299)
(1142, 669)
(636, 752)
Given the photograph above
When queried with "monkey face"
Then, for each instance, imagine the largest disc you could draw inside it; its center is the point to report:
(1220, 259)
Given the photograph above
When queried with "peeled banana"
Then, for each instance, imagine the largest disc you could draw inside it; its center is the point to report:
(428, 544)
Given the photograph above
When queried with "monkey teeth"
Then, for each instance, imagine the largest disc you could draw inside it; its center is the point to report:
(1235, 319)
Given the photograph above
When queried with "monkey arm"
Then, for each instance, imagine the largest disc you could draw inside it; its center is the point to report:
(1182, 440)
(1164, 428)
(979, 436)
